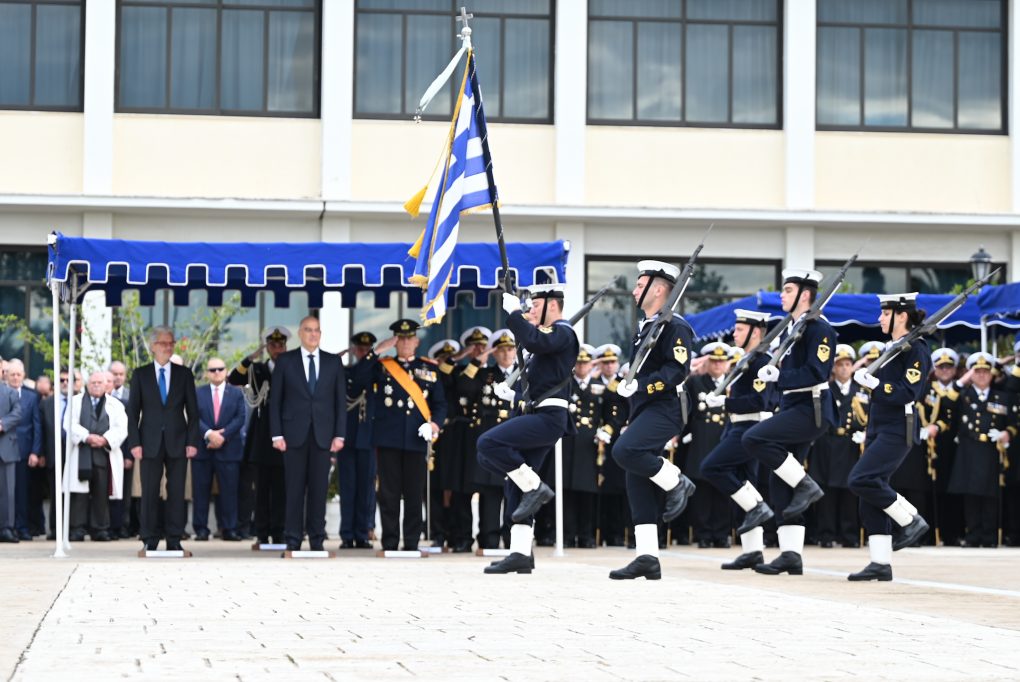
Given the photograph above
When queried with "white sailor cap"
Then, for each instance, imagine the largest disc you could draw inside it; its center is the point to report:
(945, 356)
(980, 360)
(607, 351)
(275, 333)
(586, 353)
(475, 335)
(736, 353)
(898, 302)
(871, 350)
(752, 317)
(502, 338)
(717, 350)
(803, 277)
(845, 352)
(444, 347)
(657, 268)
(554, 290)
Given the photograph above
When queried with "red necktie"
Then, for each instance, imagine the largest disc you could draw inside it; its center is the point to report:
(216, 404)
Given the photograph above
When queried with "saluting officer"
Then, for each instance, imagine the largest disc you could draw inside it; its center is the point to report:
(356, 463)
(892, 431)
(408, 406)
(580, 454)
(730, 467)
(614, 515)
(657, 414)
(938, 413)
(519, 446)
(806, 411)
(451, 499)
(987, 422)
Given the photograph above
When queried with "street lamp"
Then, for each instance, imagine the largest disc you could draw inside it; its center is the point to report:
(980, 263)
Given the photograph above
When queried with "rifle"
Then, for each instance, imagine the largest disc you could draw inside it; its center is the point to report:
(763, 346)
(665, 314)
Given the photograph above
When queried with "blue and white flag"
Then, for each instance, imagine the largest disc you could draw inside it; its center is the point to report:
(466, 185)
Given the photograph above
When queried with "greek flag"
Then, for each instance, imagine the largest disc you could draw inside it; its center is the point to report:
(466, 185)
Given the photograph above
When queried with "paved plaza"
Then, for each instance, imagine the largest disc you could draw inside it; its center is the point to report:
(229, 613)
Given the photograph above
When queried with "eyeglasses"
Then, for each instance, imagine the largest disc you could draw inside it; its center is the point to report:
(63, 380)
(217, 369)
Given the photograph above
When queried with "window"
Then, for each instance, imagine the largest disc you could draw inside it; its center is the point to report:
(928, 65)
(893, 278)
(614, 317)
(41, 54)
(402, 45)
(24, 297)
(233, 57)
(685, 62)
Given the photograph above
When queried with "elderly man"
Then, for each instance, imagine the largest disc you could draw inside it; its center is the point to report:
(29, 444)
(163, 432)
(95, 465)
(10, 416)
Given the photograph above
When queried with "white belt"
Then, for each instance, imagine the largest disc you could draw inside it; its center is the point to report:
(552, 402)
(813, 390)
(749, 417)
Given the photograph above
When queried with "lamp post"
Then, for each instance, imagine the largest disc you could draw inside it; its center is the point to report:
(980, 266)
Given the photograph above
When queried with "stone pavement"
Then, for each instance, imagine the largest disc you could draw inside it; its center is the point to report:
(952, 614)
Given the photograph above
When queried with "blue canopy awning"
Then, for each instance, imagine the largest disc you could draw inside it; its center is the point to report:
(118, 265)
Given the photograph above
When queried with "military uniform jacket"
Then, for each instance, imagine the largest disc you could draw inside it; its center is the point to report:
(834, 454)
(394, 417)
(706, 424)
(258, 442)
(901, 385)
(483, 410)
(809, 363)
(936, 406)
(749, 394)
(976, 468)
(359, 385)
(615, 412)
(449, 455)
(580, 451)
(553, 352)
(665, 368)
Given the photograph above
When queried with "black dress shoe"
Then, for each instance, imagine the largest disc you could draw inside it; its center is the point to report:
(124, 534)
(362, 544)
(704, 544)
(102, 536)
(804, 494)
(150, 545)
(346, 544)
(853, 544)
(755, 516)
(202, 536)
(745, 560)
(514, 563)
(231, 536)
(531, 559)
(293, 546)
(76, 536)
(872, 571)
(545, 542)
(912, 532)
(24, 535)
(586, 543)
(316, 546)
(787, 562)
(725, 543)
(174, 546)
(531, 502)
(462, 548)
(409, 548)
(825, 544)
(677, 498)
(51, 536)
(645, 566)
(7, 535)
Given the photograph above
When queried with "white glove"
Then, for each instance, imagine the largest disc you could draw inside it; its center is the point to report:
(713, 400)
(511, 303)
(768, 374)
(627, 388)
(858, 437)
(504, 392)
(862, 377)
(425, 432)
(686, 440)
(603, 436)
(995, 435)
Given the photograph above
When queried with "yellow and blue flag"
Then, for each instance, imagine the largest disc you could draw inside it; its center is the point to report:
(466, 185)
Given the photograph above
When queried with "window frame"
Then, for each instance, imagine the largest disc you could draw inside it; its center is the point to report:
(908, 266)
(218, 110)
(78, 108)
(683, 21)
(490, 117)
(909, 28)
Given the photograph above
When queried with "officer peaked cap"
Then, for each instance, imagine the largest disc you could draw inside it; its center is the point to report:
(405, 328)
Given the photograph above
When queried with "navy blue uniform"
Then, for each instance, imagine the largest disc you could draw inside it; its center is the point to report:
(831, 459)
(807, 364)
(655, 413)
(902, 384)
(356, 462)
(528, 438)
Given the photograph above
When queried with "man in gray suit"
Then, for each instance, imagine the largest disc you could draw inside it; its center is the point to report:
(10, 416)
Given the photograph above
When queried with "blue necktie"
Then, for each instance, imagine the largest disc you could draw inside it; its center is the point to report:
(311, 373)
(162, 384)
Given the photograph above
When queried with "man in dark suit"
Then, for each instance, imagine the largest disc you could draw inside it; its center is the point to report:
(10, 416)
(121, 510)
(220, 419)
(163, 433)
(29, 444)
(308, 420)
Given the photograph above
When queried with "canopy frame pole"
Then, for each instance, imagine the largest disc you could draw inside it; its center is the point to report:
(558, 461)
(66, 518)
(58, 468)
(984, 334)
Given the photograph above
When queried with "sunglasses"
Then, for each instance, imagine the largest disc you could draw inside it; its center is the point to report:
(217, 369)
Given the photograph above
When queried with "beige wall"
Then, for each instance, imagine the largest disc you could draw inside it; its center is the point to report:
(216, 156)
(912, 172)
(684, 167)
(391, 160)
(42, 152)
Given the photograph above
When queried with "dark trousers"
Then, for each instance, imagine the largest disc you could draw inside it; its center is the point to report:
(458, 519)
(711, 513)
(37, 489)
(612, 518)
(176, 514)
(120, 510)
(638, 452)
(306, 472)
(729, 465)
(869, 480)
(836, 517)
(490, 521)
(21, 496)
(228, 474)
(440, 519)
(1011, 515)
(90, 512)
(356, 479)
(524, 439)
(270, 502)
(949, 511)
(401, 475)
(8, 487)
(578, 517)
(981, 516)
(247, 475)
(791, 431)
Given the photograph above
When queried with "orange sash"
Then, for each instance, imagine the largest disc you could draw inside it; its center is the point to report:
(409, 385)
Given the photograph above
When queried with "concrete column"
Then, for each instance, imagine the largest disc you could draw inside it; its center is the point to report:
(1013, 266)
(334, 320)
(337, 99)
(570, 103)
(100, 52)
(799, 102)
(800, 247)
(96, 317)
(1012, 93)
(574, 296)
